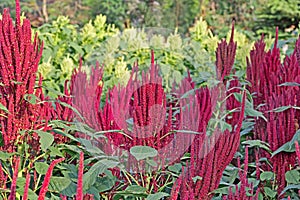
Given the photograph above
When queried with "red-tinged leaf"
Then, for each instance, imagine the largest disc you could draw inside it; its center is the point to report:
(13, 187)
(48, 175)
(79, 195)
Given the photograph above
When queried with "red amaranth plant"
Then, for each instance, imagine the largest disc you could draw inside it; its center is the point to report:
(208, 162)
(27, 108)
(212, 152)
(142, 112)
(246, 189)
(19, 59)
(275, 96)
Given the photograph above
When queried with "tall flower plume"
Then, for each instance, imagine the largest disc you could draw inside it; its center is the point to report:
(19, 58)
(269, 79)
(212, 152)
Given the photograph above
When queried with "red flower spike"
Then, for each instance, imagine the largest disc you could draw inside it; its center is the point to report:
(13, 186)
(297, 150)
(225, 55)
(79, 195)
(175, 188)
(210, 162)
(245, 190)
(26, 187)
(19, 60)
(266, 75)
(2, 177)
(47, 178)
(297, 47)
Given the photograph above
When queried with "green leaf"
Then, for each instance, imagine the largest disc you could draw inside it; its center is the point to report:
(94, 192)
(132, 191)
(151, 163)
(289, 84)
(54, 151)
(157, 196)
(72, 108)
(289, 146)
(60, 132)
(4, 156)
(270, 192)
(254, 113)
(136, 189)
(76, 47)
(292, 176)
(290, 187)
(175, 168)
(21, 181)
(222, 190)
(105, 183)
(143, 152)
(41, 167)
(58, 184)
(2, 107)
(89, 178)
(31, 194)
(177, 76)
(31, 98)
(266, 176)
(253, 181)
(196, 178)
(70, 190)
(188, 93)
(257, 143)
(165, 70)
(90, 147)
(46, 139)
(281, 109)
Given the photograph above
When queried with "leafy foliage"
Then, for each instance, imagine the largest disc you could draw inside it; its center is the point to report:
(82, 143)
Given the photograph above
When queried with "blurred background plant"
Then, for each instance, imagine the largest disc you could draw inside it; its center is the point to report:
(119, 33)
(252, 17)
(66, 44)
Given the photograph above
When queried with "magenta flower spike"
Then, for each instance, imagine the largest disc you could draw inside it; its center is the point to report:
(210, 154)
(268, 78)
(47, 178)
(225, 55)
(79, 194)
(26, 104)
(13, 187)
(26, 187)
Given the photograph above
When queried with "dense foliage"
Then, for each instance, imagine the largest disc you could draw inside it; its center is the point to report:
(253, 17)
(208, 119)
